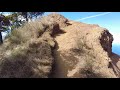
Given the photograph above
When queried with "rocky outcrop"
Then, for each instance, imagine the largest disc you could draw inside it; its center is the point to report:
(59, 48)
(52, 18)
(83, 51)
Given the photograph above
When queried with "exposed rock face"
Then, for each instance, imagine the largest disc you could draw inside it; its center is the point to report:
(61, 20)
(83, 50)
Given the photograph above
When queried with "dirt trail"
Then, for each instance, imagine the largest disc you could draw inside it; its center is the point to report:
(59, 65)
(63, 44)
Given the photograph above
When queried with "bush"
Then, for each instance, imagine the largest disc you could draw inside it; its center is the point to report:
(32, 60)
(30, 55)
(88, 70)
(16, 37)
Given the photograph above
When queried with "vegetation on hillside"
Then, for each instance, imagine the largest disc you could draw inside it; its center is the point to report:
(26, 53)
(14, 20)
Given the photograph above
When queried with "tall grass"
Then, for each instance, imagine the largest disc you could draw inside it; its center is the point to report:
(29, 55)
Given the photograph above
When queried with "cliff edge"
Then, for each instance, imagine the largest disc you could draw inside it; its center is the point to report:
(56, 47)
(84, 51)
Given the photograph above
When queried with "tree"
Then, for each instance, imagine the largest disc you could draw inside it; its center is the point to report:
(35, 14)
(4, 22)
(27, 15)
(30, 15)
(13, 21)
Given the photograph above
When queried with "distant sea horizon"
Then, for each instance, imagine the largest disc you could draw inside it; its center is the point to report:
(116, 48)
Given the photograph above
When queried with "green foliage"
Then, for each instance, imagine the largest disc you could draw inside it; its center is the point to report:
(35, 14)
(13, 17)
(4, 23)
(13, 22)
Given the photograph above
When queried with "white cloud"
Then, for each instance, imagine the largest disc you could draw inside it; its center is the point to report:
(102, 14)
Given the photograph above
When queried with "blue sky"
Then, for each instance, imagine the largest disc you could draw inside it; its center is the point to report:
(110, 20)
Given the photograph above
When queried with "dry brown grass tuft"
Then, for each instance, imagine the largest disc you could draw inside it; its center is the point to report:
(25, 54)
(33, 60)
(88, 70)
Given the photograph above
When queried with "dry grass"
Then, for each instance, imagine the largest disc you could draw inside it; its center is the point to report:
(88, 70)
(30, 55)
(90, 57)
(32, 60)
(22, 34)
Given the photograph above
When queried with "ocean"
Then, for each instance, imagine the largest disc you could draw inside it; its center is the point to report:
(116, 49)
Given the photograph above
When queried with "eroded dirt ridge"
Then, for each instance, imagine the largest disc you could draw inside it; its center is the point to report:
(59, 48)
(84, 50)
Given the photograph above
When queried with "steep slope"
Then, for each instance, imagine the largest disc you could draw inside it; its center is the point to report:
(56, 47)
(27, 52)
(84, 50)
